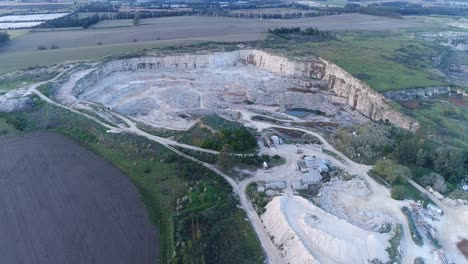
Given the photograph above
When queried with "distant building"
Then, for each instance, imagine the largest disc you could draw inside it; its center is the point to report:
(315, 163)
(311, 163)
(312, 177)
(265, 165)
(434, 208)
(298, 185)
(260, 189)
(302, 166)
(270, 193)
(276, 140)
(275, 185)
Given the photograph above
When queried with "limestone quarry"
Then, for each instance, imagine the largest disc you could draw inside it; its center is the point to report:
(172, 90)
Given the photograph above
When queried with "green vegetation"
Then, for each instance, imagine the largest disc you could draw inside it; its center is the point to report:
(308, 34)
(213, 132)
(18, 60)
(415, 235)
(394, 175)
(72, 20)
(157, 131)
(392, 172)
(392, 60)
(429, 150)
(136, 19)
(205, 227)
(399, 192)
(393, 251)
(368, 142)
(5, 128)
(200, 155)
(26, 77)
(259, 199)
(446, 121)
(4, 37)
(47, 89)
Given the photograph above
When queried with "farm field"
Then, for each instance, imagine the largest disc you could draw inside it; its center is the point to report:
(64, 200)
(19, 60)
(78, 44)
(36, 17)
(192, 26)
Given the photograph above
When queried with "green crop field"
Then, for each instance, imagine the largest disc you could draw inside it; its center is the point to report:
(384, 60)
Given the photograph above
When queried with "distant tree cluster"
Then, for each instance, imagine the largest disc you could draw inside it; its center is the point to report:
(309, 32)
(428, 158)
(4, 37)
(142, 14)
(399, 9)
(238, 139)
(72, 21)
(98, 7)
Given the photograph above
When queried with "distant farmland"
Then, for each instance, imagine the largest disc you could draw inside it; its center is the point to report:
(194, 27)
(118, 36)
(61, 203)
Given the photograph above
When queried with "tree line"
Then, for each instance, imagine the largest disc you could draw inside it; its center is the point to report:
(313, 32)
(72, 20)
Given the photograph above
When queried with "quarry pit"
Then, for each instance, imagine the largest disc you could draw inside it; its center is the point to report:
(172, 91)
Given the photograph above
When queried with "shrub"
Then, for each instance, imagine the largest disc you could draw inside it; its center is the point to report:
(368, 142)
(392, 172)
(435, 180)
(399, 192)
(4, 37)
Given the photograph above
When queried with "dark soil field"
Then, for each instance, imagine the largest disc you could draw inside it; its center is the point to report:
(61, 203)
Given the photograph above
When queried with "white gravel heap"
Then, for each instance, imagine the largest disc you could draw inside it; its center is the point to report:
(14, 101)
(329, 201)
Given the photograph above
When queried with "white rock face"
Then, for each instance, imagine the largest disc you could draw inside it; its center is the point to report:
(15, 101)
(336, 86)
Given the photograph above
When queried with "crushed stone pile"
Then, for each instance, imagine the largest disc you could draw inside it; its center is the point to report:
(329, 200)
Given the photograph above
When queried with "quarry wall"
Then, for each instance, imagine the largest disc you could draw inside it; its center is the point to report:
(352, 91)
(358, 95)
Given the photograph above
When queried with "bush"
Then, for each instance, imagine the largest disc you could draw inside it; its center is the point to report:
(368, 142)
(4, 37)
(391, 172)
(399, 192)
(435, 180)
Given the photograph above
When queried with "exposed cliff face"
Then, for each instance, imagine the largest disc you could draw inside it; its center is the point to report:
(346, 89)
(356, 93)
(363, 98)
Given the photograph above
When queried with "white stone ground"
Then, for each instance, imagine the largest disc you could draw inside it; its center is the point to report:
(165, 97)
(309, 234)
